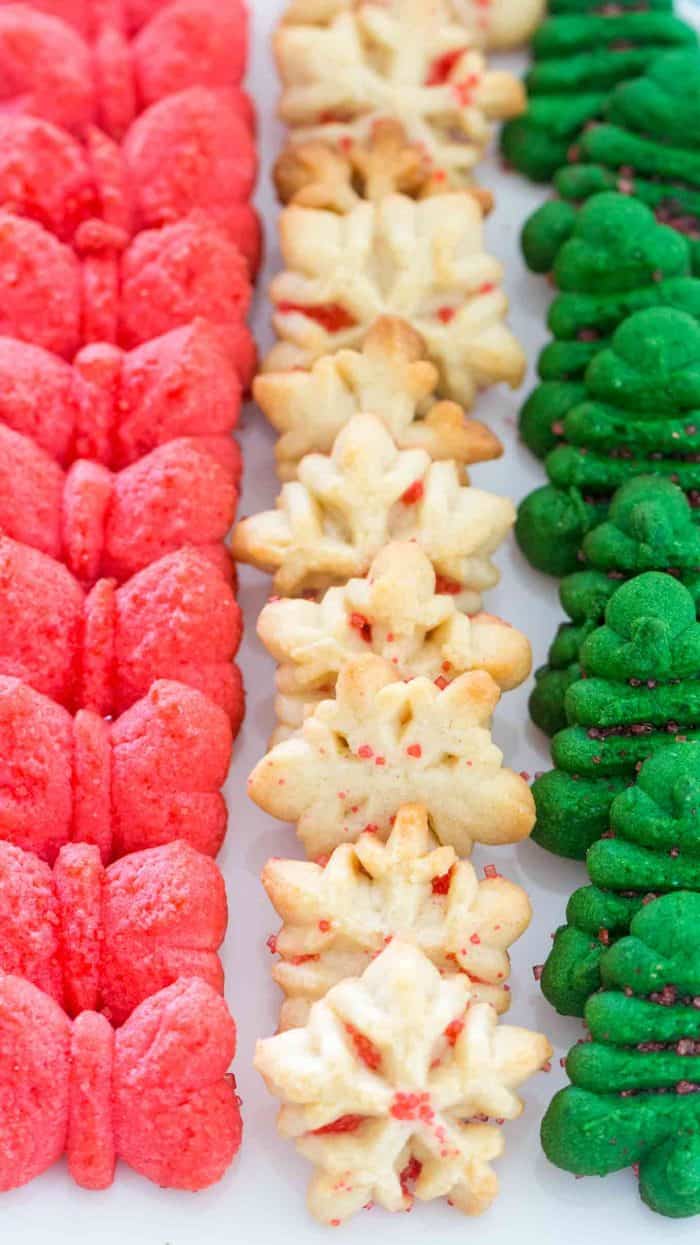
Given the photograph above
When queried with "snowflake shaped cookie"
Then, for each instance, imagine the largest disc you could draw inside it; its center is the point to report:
(487, 23)
(330, 523)
(395, 612)
(383, 742)
(389, 376)
(423, 261)
(389, 1087)
(337, 918)
(320, 174)
(406, 60)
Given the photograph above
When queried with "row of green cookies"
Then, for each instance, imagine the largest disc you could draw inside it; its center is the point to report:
(616, 404)
(616, 399)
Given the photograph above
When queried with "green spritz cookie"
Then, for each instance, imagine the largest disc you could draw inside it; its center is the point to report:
(639, 692)
(649, 527)
(648, 147)
(640, 415)
(652, 847)
(617, 261)
(578, 59)
(634, 1097)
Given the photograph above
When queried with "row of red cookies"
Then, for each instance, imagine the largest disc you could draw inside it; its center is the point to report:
(393, 1070)
(126, 270)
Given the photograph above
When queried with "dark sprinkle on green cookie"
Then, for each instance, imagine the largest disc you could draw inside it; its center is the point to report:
(652, 847)
(640, 415)
(639, 693)
(634, 1097)
(649, 526)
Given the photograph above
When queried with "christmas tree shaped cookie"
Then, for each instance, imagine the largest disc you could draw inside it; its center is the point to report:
(612, 260)
(647, 147)
(638, 694)
(634, 1100)
(653, 846)
(641, 414)
(650, 527)
(579, 57)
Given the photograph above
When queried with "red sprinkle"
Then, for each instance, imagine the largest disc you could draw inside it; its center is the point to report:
(410, 1175)
(344, 1124)
(450, 586)
(412, 1106)
(475, 939)
(413, 493)
(365, 752)
(441, 682)
(332, 317)
(271, 944)
(414, 750)
(324, 926)
(359, 623)
(442, 66)
(490, 871)
(537, 971)
(453, 1031)
(445, 314)
(366, 1050)
(441, 885)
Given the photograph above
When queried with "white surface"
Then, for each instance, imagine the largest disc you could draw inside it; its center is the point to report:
(261, 1200)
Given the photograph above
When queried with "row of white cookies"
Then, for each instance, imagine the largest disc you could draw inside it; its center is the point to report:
(391, 1063)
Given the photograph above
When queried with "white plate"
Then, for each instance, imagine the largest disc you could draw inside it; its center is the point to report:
(262, 1199)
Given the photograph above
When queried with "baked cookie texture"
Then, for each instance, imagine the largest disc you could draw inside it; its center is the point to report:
(652, 846)
(578, 59)
(339, 916)
(638, 695)
(113, 406)
(423, 261)
(407, 60)
(81, 73)
(645, 147)
(390, 375)
(98, 522)
(396, 612)
(638, 416)
(102, 650)
(163, 279)
(154, 1094)
(332, 521)
(650, 527)
(496, 24)
(385, 1087)
(191, 151)
(104, 939)
(151, 776)
(633, 1101)
(383, 742)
